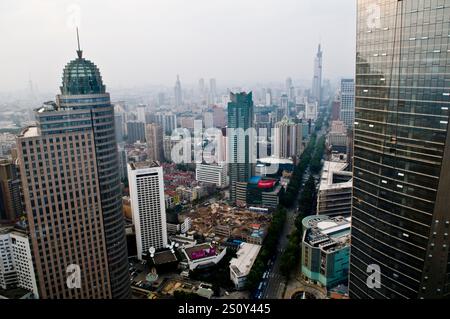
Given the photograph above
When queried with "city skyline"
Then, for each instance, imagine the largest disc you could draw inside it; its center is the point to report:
(312, 183)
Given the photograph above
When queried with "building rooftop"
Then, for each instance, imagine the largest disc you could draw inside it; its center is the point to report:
(327, 233)
(143, 165)
(201, 251)
(30, 131)
(338, 127)
(15, 293)
(246, 256)
(334, 176)
(164, 257)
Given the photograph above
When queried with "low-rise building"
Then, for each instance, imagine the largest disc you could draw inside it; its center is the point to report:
(337, 139)
(335, 190)
(263, 192)
(240, 267)
(212, 173)
(326, 250)
(203, 255)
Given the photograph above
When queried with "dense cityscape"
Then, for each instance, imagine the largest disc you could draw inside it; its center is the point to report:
(326, 189)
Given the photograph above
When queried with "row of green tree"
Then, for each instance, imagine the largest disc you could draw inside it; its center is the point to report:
(288, 198)
(268, 249)
(306, 205)
(316, 161)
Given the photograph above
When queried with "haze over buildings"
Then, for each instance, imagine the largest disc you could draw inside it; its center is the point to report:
(175, 37)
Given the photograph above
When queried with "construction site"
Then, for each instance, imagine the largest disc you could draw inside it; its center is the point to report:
(220, 222)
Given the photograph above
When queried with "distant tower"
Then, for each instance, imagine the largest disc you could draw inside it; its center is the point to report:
(285, 105)
(212, 91)
(154, 137)
(141, 112)
(317, 80)
(288, 84)
(269, 101)
(178, 93)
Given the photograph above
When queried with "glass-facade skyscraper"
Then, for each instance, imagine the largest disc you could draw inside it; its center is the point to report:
(240, 144)
(400, 209)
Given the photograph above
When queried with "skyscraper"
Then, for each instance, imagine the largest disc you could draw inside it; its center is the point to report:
(178, 93)
(240, 143)
(348, 102)
(154, 137)
(400, 210)
(317, 80)
(167, 120)
(288, 85)
(140, 112)
(148, 206)
(69, 165)
(135, 131)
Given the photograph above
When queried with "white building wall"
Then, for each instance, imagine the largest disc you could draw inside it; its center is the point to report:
(148, 208)
(16, 263)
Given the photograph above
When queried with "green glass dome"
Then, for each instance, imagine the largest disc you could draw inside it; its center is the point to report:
(81, 76)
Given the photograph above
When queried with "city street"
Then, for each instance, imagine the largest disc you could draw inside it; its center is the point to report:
(275, 284)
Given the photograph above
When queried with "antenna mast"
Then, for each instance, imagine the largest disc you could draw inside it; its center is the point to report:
(79, 51)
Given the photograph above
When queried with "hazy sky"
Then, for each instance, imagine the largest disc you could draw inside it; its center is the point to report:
(144, 42)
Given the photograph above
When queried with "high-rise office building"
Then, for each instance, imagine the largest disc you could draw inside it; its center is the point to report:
(348, 102)
(154, 137)
(10, 198)
(178, 93)
(135, 131)
(167, 120)
(72, 192)
(240, 139)
(400, 210)
(64, 216)
(148, 206)
(317, 80)
(140, 112)
(288, 139)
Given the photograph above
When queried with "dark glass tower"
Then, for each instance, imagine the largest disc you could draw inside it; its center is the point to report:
(85, 105)
(240, 144)
(400, 209)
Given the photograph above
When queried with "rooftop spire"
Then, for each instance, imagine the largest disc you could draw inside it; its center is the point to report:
(79, 51)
